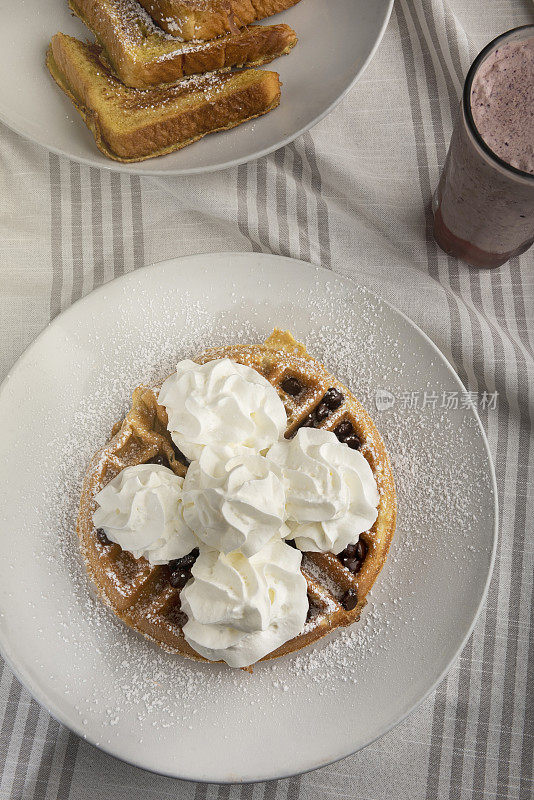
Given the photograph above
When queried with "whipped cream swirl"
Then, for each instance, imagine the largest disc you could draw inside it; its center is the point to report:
(240, 609)
(221, 402)
(234, 499)
(332, 494)
(141, 510)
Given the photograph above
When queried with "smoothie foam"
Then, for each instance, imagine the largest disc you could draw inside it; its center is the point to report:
(502, 103)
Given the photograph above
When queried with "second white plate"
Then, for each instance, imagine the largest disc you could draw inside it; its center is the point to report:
(336, 42)
(207, 722)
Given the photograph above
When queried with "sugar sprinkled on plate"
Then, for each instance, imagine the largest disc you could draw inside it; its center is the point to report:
(419, 441)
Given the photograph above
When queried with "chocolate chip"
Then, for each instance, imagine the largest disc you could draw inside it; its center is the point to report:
(186, 562)
(176, 616)
(333, 399)
(321, 412)
(180, 618)
(291, 386)
(179, 578)
(343, 430)
(291, 543)
(353, 555)
(181, 569)
(160, 460)
(349, 600)
(353, 441)
(361, 549)
(101, 536)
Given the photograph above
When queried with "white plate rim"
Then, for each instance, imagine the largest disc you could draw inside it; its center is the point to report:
(21, 673)
(135, 169)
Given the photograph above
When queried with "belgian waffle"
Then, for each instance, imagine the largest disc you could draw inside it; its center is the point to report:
(148, 598)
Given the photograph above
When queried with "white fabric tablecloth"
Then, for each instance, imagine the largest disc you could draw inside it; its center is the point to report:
(352, 195)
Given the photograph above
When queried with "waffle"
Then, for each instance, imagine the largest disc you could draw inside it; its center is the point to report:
(145, 597)
(142, 55)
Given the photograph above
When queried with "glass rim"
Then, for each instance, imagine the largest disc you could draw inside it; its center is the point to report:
(466, 100)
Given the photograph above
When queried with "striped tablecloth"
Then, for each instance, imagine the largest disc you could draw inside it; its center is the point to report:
(352, 195)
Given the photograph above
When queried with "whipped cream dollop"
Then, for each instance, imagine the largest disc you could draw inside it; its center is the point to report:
(141, 510)
(221, 402)
(332, 494)
(239, 609)
(234, 499)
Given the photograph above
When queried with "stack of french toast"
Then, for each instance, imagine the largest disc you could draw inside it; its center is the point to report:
(164, 73)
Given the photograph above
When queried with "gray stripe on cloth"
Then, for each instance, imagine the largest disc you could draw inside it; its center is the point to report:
(23, 759)
(69, 765)
(451, 30)
(270, 790)
(281, 202)
(433, 41)
(323, 225)
(137, 222)
(261, 204)
(293, 788)
(527, 750)
(526, 784)
(47, 760)
(201, 791)
(517, 558)
(96, 226)
(36, 753)
(76, 231)
(56, 234)
(302, 210)
(518, 554)
(117, 224)
(460, 724)
(523, 329)
(242, 205)
(10, 711)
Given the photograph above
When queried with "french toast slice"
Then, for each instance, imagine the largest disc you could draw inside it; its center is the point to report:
(207, 19)
(136, 124)
(142, 55)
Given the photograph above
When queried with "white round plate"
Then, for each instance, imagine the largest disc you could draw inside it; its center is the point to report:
(336, 42)
(205, 721)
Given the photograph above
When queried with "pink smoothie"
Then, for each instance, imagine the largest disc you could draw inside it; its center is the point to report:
(483, 207)
(502, 103)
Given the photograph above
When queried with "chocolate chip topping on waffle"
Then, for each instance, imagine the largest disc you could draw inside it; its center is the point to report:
(148, 598)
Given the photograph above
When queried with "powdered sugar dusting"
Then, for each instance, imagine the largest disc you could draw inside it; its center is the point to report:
(165, 690)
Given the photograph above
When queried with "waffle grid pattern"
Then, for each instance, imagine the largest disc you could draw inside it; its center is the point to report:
(148, 598)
